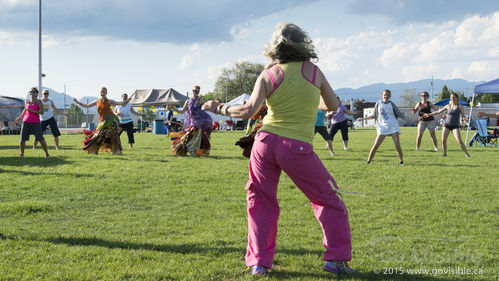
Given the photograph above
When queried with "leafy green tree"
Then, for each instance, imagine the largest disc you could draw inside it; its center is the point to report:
(462, 96)
(75, 114)
(444, 94)
(237, 80)
(486, 98)
(409, 97)
(149, 114)
(209, 96)
(360, 105)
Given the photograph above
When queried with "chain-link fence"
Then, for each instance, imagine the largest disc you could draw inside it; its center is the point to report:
(76, 120)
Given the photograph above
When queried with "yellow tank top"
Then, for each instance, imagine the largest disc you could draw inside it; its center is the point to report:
(292, 107)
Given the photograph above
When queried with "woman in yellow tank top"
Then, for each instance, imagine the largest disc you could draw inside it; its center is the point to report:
(294, 88)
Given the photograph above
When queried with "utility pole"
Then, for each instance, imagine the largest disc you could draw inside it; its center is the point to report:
(88, 125)
(40, 48)
(431, 84)
(65, 117)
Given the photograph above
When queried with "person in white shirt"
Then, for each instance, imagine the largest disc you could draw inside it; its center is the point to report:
(47, 118)
(124, 113)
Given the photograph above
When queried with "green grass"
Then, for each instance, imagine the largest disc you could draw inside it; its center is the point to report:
(148, 215)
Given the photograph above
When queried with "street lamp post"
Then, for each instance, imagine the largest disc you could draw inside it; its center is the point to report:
(40, 48)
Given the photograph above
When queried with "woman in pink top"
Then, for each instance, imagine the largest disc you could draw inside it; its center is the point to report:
(31, 122)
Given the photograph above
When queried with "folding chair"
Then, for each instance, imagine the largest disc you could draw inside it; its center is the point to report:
(483, 137)
(13, 128)
(3, 129)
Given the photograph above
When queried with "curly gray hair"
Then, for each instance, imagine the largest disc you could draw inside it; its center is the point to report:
(289, 43)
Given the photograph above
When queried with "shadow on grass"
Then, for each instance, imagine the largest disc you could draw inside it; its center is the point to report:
(122, 158)
(42, 173)
(10, 147)
(336, 158)
(224, 248)
(181, 248)
(451, 165)
(219, 157)
(39, 161)
(286, 274)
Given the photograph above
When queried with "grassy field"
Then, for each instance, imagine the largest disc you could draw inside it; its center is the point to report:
(147, 215)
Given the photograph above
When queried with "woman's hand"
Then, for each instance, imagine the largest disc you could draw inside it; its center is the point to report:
(426, 115)
(210, 105)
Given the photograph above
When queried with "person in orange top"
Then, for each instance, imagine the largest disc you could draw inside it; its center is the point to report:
(106, 136)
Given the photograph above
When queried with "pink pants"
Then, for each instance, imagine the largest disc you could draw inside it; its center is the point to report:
(271, 154)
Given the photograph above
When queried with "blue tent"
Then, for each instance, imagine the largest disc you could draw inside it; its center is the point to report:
(446, 102)
(491, 87)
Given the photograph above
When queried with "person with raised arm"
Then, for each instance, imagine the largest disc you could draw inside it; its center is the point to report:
(454, 112)
(492, 115)
(124, 113)
(294, 88)
(105, 136)
(196, 132)
(386, 114)
(339, 121)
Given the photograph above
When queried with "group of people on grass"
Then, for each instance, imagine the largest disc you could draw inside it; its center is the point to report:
(293, 88)
(39, 114)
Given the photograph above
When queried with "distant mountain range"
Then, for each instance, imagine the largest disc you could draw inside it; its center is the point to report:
(369, 93)
(373, 92)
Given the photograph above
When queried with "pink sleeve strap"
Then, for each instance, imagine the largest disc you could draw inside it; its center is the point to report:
(272, 78)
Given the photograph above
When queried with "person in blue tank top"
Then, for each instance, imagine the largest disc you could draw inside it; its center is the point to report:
(320, 128)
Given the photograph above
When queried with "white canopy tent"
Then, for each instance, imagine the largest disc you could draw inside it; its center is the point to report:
(239, 100)
(157, 97)
(10, 108)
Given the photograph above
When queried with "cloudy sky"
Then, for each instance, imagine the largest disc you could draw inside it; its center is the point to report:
(131, 44)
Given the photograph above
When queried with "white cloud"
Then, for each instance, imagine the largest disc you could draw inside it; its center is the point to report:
(185, 62)
(15, 2)
(466, 49)
(195, 51)
(195, 48)
(340, 55)
(397, 53)
(239, 32)
(19, 38)
(478, 68)
(31, 39)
